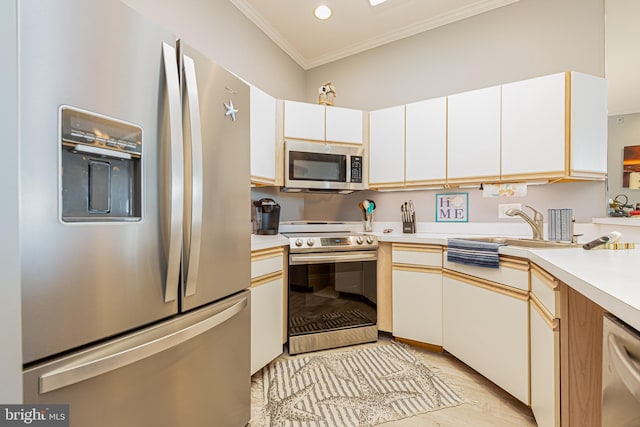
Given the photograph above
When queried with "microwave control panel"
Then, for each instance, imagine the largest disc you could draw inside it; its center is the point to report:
(356, 168)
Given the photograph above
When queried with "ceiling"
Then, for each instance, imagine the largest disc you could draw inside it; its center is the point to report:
(355, 26)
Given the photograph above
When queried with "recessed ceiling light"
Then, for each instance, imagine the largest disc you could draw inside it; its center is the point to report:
(376, 2)
(322, 12)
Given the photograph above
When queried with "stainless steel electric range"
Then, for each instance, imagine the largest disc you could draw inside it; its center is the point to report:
(332, 290)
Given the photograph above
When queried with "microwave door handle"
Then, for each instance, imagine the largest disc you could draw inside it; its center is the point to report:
(195, 240)
(173, 248)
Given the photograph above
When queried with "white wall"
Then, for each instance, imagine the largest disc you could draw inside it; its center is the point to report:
(219, 30)
(522, 40)
(525, 39)
(10, 332)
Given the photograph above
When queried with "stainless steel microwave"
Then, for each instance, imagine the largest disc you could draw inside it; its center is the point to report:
(323, 167)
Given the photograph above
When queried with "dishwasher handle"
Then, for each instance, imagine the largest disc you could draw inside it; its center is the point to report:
(625, 365)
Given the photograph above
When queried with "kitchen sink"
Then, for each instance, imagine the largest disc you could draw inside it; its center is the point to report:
(524, 242)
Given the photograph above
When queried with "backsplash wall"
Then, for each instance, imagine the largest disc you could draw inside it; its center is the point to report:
(587, 199)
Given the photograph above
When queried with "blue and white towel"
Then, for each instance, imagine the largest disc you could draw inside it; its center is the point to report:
(470, 252)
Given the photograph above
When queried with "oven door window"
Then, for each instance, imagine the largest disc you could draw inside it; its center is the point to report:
(332, 296)
(304, 166)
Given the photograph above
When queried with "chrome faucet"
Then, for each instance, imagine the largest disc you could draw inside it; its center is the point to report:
(537, 223)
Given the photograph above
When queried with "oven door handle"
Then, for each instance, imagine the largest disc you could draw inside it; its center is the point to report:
(315, 258)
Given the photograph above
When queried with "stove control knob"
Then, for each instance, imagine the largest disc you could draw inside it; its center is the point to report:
(298, 242)
(359, 240)
(369, 239)
(310, 242)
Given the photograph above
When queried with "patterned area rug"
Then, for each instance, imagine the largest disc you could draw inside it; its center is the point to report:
(356, 388)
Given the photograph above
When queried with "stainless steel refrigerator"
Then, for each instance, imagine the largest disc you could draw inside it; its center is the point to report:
(134, 221)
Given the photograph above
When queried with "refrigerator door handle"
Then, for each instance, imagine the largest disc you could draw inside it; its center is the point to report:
(177, 172)
(135, 349)
(192, 268)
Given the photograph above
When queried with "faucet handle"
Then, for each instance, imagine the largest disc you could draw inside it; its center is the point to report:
(536, 215)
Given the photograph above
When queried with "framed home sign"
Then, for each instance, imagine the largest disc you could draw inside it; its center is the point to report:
(452, 207)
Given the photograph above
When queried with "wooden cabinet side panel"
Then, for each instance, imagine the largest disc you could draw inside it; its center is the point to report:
(581, 360)
(385, 301)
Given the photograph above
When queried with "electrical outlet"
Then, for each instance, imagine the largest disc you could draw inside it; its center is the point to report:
(505, 207)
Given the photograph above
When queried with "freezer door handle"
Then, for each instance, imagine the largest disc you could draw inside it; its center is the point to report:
(131, 350)
(628, 369)
(176, 174)
(192, 267)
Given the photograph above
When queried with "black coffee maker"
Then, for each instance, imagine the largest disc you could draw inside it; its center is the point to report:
(266, 216)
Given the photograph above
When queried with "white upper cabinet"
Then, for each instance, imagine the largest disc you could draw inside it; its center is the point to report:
(386, 147)
(554, 127)
(533, 117)
(426, 142)
(474, 136)
(263, 137)
(303, 120)
(588, 126)
(343, 125)
(317, 122)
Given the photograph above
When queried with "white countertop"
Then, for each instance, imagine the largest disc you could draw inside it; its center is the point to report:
(610, 278)
(607, 277)
(259, 242)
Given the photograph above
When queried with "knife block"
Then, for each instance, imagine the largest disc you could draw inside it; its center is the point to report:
(409, 227)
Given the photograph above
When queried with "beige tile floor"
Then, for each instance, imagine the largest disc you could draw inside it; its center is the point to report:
(486, 405)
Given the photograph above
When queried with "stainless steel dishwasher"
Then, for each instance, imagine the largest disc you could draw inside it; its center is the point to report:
(620, 374)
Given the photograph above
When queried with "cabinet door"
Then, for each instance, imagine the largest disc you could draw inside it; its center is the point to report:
(533, 127)
(266, 323)
(386, 147)
(417, 305)
(303, 121)
(343, 125)
(426, 142)
(474, 136)
(263, 137)
(545, 367)
(588, 125)
(488, 330)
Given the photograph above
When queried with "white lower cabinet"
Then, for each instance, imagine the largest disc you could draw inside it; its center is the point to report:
(545, 313)
(417, 304)
(545, 367)
(417, 292)
(486, 326)
(266, 323)
(267, 306)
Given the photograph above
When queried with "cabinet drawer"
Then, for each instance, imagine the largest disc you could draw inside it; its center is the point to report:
(512, 272)
(422, 255)
(545, 287)
(266, 262)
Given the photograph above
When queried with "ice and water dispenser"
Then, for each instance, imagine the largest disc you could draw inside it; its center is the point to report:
(101, 168)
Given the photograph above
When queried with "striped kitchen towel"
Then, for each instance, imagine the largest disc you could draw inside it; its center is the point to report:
(470, 252)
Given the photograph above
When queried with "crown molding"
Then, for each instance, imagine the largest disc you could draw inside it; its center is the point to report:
(411, 30)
